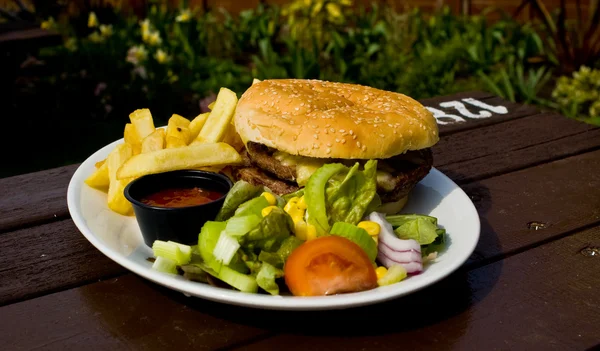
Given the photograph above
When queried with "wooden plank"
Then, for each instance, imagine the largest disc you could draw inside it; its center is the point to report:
(563, 195)
(512, 145)
(34, 198)
(543, 299)
(122, 313)
(46, 258)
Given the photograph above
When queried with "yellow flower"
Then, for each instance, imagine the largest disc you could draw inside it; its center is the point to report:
(71, 44)
(145, 25)
(172, 77)
(152, 37)
(137, 54)
(95, 37)
(92, 20)
(161, 56)
(106, 30)
(334, 11)
(184, 16)
(48, 24)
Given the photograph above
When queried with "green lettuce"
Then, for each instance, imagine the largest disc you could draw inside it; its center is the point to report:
(419, 229)
(266, 278)
(241, 192)
(270, 232)
(336, 193)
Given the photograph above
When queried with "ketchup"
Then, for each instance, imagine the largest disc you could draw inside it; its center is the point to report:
(181, 197)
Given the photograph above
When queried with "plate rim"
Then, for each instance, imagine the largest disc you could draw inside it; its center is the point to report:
(260, 301)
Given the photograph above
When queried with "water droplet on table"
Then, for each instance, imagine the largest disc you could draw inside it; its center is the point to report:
(536, 225)
(590, 252)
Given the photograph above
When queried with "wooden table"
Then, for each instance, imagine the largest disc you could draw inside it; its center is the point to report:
(527, 286)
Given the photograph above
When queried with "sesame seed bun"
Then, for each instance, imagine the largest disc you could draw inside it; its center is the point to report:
(323, 119)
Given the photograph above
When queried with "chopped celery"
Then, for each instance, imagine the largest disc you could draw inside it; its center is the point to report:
(172, 251)
(357, 235)
(207, 240)
(393, 275)
(225, 249)
(238, 226)
(185, 249)
(266, 278)
(253, 206)
(165, 265)
(242, 282)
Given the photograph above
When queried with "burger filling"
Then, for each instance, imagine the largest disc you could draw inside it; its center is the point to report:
(284, 173)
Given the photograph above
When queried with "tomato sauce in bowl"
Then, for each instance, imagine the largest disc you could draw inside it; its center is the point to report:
(181, 197)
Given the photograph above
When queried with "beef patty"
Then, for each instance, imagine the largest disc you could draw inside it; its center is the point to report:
(396, 177)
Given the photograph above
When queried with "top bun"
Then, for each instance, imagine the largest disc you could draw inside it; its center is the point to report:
(323, 119)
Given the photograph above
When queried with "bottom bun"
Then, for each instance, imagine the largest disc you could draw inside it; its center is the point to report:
(392, 208)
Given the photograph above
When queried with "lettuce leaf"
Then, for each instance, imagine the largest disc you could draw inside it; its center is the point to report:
(266, 278)
(336, 193)
(241, 192)
(270, 232)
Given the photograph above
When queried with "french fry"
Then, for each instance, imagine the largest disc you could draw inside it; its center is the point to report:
(233, 138)
(154, 141)
(220, 117)
(188, 157)
(143, 122)
(116, 199)
(254, 81)
(99, 179)
(178, 132)
(131, 137)
(196, 124)
(211, 105)
(99, 163)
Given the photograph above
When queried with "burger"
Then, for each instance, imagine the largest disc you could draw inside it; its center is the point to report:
(291, 127)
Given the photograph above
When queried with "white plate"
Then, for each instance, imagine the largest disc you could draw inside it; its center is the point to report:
(119, 238)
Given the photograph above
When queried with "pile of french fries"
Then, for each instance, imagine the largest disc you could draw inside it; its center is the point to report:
(208, 141)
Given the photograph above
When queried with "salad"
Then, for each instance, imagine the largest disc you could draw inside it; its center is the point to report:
(327, 238)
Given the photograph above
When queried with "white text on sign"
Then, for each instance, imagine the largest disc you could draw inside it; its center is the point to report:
(448, 118)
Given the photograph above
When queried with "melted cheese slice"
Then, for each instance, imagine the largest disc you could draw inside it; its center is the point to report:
(306, 166)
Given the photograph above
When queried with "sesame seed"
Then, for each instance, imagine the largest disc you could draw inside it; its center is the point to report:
(351, 132)
(358, 143)
(342, 131)
(354, 137)
(332, 130)
(297, 108)
(337, 140)
(343, 141)
(364, 148)
(381, 136)
(328, 151)
(316, 136)
(329, 144)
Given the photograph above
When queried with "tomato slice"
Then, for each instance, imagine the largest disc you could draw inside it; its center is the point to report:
(329, 265)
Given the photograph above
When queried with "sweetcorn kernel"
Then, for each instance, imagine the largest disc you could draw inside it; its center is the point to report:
(380, 271)
(302, 203)
(300, 230)
(372, 228)
(311, 232)
(265, 211)
(270, 198)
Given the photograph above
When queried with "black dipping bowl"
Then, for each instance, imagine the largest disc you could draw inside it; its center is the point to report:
(181, 224)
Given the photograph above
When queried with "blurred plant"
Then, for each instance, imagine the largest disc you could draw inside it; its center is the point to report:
(575, 43)
(578, 96)
(310, 20)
